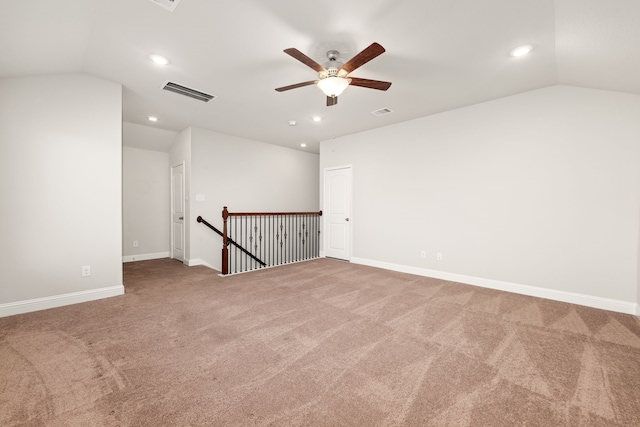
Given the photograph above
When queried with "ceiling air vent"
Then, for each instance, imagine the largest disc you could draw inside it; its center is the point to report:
(167, 4)
(382, 112)
(191, 93)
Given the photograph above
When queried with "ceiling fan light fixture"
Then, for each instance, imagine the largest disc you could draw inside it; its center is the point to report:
(333, 86)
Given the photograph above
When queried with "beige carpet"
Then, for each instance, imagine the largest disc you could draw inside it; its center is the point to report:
(321, 343)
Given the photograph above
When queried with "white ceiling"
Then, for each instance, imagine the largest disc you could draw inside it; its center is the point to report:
(441, 54)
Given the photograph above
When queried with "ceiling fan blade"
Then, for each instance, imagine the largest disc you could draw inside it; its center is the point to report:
(295, 86)
(332, 100)
(295, 53)
(363, 57)
(371, 84)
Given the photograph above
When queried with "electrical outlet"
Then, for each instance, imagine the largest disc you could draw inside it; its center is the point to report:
(439, 256)
(423, 254)
(135, 243)
(86, 270)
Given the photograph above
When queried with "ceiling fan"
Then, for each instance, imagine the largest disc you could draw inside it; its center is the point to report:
(334, 76)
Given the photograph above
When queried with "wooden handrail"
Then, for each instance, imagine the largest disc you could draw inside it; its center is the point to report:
(319, 213)
(200, 219)
(228, 240)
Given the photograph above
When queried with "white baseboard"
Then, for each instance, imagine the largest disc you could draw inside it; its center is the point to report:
(198, 261)
(27, 306)
(144, 257)
(552, 294)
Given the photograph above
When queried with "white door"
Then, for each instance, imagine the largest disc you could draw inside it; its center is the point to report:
(177, 212)
(337, 213)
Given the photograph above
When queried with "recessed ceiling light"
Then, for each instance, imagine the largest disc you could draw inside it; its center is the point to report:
(303, 145)
(317, 118)
(292, 122)
(521, 50)
(152, 118)
(158, 59)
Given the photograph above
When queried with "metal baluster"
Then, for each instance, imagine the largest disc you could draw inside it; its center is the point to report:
(309, 237)
(238, 259)
(288, 222)
(243, 243)
(235, 251)
(305, 240)
(246, 238)
(285, 220)
(255, 242)
(318, 223)
(312, 240)
(261, 227)
(279, 237)
(251, 243)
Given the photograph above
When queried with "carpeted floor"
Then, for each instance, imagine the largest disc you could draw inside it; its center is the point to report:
(319, 343)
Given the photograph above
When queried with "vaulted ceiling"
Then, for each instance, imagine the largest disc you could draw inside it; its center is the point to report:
(440, 55)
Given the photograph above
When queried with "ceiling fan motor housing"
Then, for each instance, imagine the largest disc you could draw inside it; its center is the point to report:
(332, 68)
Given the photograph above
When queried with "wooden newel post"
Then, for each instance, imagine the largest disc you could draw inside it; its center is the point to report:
(225, 242)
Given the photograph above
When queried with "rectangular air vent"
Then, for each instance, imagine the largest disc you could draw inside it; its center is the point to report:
(382, 112)
(167, 4)
(191, 93)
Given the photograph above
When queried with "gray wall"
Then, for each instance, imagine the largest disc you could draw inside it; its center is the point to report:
(540, 190)
(61, 186)
(145, 204)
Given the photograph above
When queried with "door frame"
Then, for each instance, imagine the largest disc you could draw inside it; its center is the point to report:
(171, 209)
(325, 216)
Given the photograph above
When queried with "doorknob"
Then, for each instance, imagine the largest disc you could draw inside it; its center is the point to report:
(346, 219)
(181, 218)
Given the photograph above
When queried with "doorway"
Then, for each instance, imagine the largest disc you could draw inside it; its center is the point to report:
(177, 212)
(337, 213)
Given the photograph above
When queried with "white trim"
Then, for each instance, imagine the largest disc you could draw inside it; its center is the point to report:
(198, 261)
(27, 306)
(144, 257)
(552, 294)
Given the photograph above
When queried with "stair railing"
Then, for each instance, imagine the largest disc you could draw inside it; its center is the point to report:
(265, 239)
